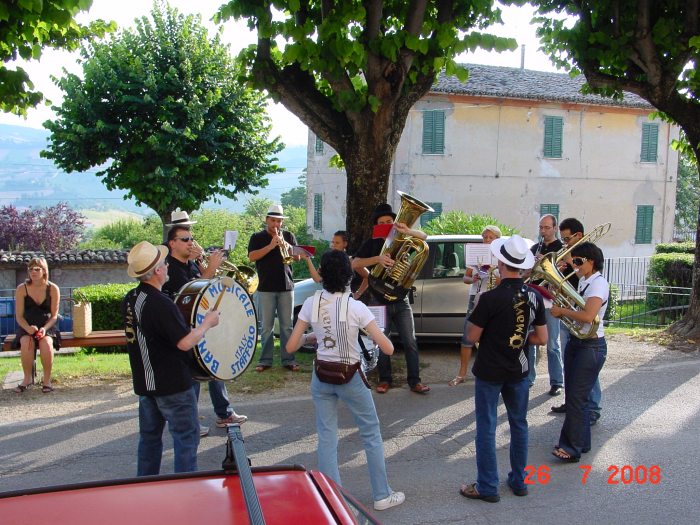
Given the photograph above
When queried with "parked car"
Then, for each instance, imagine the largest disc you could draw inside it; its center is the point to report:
(440, 296)
(286, 495)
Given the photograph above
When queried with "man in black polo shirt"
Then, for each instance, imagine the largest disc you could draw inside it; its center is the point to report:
(157, 339)
(276, 289)
(501, 322)
(181, 270)
(398, 312)
(548, 243)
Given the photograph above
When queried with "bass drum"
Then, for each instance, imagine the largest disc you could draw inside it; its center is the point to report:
(226, 350)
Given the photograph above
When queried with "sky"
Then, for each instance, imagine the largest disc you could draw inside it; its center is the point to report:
(285, 124)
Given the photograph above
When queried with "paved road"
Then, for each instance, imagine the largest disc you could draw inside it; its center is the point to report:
(651, 417)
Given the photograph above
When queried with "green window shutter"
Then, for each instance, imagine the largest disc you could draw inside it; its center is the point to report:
(318, 211)
(553, 132)
(645, 221)
(650, 141)
(428, 216)
(434, 132)
(319, 146)
(551, 209)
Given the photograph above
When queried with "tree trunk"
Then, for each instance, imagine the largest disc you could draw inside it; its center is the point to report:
(367, 173)
(689, 325)
(165, 218)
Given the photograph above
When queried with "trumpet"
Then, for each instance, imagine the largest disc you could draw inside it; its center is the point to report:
(284, 248)
(245, 275)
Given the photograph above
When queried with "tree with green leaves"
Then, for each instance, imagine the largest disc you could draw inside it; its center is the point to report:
(458, 222)
(650, 48)
(297, 195)
(687, 194)
(26, 28)
(160, 112)
(351, 70)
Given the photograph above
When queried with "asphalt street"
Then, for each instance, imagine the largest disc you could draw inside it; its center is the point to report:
(650, 423)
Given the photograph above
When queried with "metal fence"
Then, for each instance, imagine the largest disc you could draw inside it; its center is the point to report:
(646, 305)
(685, 234)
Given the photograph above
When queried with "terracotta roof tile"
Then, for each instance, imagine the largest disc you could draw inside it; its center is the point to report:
(515, 83)
(67, 258)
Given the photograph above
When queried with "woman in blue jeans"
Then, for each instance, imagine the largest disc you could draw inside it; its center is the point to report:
(583, 358)
(336, 319)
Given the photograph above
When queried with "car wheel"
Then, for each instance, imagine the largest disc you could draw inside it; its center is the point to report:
(310, 348)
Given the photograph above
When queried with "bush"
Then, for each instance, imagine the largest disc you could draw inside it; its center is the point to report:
(675, 247)
(125, 233)
(105, 300)
(458, 222)
(671, 269)
(613, 303)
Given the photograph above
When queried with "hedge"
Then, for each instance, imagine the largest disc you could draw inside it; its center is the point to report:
(675, 247)
(105, 300)
(671, 269)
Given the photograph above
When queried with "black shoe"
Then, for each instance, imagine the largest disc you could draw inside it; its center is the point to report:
(561, 409)
(555, 390)
(518, 492)
(593, 420)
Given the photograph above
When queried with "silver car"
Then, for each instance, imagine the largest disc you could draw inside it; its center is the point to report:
(440, 297)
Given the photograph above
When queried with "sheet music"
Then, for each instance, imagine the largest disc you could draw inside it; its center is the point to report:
(379, 313)
(478, 254)
(230, 238)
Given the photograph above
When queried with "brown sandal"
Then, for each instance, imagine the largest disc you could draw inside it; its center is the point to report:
(383, 388)
(469, 491)
(563, 455)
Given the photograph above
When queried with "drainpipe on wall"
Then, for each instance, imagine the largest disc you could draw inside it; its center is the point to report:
(522, 56)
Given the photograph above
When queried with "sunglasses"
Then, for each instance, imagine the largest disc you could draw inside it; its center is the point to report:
(35, 269)
(578, 261)
(185, 239)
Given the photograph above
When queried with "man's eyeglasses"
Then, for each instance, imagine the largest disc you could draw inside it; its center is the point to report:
(578, 261)
(185, 239)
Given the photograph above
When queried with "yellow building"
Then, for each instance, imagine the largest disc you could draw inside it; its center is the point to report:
(516, 144)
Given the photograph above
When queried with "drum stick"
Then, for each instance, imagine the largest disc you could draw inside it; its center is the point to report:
(227, 282)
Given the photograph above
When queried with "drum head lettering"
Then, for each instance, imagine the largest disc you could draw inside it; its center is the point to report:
(226, 350)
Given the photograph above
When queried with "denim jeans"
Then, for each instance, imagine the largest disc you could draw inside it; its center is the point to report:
(275, 304)
(180, 412)
(358, 399)
(596, 394)
(554, 361)
(515, 397)
(401, 315)
(584, 359)
(219, 397)
(531, 364)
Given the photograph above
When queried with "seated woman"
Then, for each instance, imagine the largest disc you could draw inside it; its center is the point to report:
(336, 319)
(36, 311)
(583, 358)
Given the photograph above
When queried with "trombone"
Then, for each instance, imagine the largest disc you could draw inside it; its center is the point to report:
(245, 275)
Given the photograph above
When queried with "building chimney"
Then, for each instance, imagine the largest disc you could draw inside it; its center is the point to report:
(522, 56)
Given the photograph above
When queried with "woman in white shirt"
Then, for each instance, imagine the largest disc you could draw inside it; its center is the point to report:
(583, 358)
(336, 319)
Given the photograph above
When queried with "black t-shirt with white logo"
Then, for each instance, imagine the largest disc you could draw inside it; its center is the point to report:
(505, 314)
(154, 325)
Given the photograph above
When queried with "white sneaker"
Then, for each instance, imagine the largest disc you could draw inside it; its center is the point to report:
(395, 498)
(232, 419)
(203, 431)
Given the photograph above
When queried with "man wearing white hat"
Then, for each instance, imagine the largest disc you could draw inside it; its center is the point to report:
(276, 289)
(157, 335)
(501, 322)
(181, 270)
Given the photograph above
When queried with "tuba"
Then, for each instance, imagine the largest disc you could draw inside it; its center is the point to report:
(563, 293)
(245, 275)
(409, 254)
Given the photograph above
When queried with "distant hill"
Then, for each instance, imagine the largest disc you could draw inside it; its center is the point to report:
(28, 180)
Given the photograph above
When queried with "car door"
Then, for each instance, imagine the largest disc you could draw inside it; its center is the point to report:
(443, 295)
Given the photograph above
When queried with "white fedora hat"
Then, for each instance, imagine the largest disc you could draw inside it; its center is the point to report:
(180, 218)
(513, 251)
(276, 211)
(144, 257)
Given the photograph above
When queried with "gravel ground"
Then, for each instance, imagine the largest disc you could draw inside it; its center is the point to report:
(439, 364)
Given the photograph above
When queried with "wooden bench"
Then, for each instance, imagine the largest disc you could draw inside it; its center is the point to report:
(68, 340)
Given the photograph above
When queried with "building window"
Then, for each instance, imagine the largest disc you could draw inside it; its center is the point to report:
(433, 132)
(550, 209)
(650, 141)
(645, 221)
(318, 211)
(319, 146)
(553, 131)
(428, 216)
